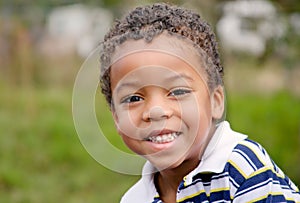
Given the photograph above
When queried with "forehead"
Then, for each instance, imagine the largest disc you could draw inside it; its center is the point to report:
(165, 43)
(150, 65)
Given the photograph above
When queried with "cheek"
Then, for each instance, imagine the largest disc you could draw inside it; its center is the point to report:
(196, 109)
(127, 128)
(196, 114)
(133, 144)
(127, 123)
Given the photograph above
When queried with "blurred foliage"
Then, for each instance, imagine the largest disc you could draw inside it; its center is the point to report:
(42, 159)
(287, 6)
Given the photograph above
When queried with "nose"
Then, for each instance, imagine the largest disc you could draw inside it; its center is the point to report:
(157, 113)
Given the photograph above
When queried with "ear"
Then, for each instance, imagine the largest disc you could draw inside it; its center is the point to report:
(116, 120)
(217, 102)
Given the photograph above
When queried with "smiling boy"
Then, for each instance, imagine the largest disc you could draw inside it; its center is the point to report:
(161, 75)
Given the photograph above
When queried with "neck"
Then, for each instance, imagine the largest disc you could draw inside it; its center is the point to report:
(175, 175)
(168, 180)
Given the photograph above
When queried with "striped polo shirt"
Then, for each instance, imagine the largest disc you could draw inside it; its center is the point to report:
(232, 169)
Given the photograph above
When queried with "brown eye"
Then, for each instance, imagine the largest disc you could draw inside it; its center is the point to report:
(132, 99)
(179, 92)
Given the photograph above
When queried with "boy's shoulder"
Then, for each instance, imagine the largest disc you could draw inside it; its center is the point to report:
(249, 158)
(252, 173)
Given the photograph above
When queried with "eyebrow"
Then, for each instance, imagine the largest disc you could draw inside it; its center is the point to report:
(134, 84)
(126, 84)
(180, 76)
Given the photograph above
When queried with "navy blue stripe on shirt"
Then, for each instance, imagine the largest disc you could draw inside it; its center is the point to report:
(246, 158)
(220, 195)
(235, 174)
(272, 198)
(251, 155)
(200, 198)
(205, 179)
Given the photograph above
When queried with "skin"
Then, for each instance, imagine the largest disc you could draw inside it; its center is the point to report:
(156, 93)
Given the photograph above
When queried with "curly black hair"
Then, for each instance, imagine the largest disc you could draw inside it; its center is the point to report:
(146, 23)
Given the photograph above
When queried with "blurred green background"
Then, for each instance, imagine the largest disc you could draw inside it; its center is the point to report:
(42, 159)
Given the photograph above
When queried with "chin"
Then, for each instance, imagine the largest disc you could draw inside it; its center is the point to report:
(165, 164)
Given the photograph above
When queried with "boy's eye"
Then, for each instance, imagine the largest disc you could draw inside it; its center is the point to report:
(179, 92)
(131, 99)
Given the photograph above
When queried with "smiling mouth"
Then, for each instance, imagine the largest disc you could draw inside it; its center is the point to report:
(163, 138)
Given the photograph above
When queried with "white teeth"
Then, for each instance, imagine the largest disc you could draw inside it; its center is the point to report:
(164, 138)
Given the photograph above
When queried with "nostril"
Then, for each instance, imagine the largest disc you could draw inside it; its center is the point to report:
(156, 113)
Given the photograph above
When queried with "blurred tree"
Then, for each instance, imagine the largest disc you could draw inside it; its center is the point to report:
(287, 6)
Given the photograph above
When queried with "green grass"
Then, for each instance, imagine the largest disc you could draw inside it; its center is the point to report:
(42, 159)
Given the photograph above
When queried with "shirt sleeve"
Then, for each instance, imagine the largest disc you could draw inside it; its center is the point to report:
(257, 178)
(266, 185)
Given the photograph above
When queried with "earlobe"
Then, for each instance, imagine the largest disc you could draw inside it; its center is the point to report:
(116, 120)
(217, 102)
(115, 116)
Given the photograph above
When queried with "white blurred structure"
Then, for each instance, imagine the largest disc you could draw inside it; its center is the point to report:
(76, 27)
(295, 22)
(247, 25)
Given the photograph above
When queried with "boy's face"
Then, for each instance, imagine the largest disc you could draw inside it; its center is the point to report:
(162, 107)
